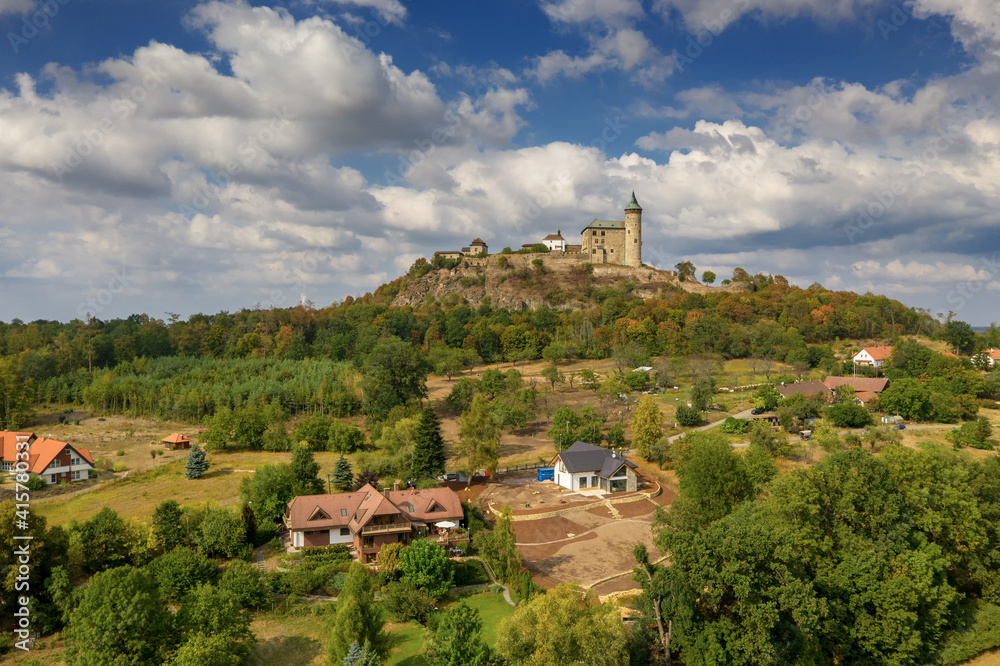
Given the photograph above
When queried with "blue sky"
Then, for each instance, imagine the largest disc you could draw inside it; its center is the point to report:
(186, 156)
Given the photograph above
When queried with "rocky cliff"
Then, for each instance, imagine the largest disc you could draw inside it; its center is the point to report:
(517, 281)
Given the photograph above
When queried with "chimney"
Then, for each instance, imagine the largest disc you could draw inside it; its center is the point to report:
(385, 492)
(395, 485)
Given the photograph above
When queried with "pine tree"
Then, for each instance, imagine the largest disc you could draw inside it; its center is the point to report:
(196, 463)
(358, 618)
(306, 471)
(362, 656)
(428, 454)
(343, 475)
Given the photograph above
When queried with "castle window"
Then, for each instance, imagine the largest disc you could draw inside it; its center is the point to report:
(612, 250)
(635, 240)
(595, 232)
(602, 233)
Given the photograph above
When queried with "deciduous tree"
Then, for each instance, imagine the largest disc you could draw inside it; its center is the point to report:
(647, 426)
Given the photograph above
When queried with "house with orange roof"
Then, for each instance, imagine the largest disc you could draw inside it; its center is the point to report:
(52, 460)
(368, 519)
(873, 356)
(992, 357)
(176, 441)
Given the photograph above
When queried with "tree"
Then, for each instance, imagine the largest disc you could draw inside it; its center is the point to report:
(974, 433)
(552, 375)
(394, 373)
(766, 398)
(344, 438)
(589, 379)
(209, 611)
(222, 534)
(564, 626)
(365, 477)
(651, 578)
(246, 583)
(358, 618)
(714, 479)
(647, 426)
(615, 436)
(201, 649)
(761, 434)
(105, 540)
(428, 449)
(196, 464)
(388, 559)
(120, 619)
(458, 639)
(426, 565)
(268, 492)
(479, 438)
(846, 415)
(305, 469)
(906, 397)
(565, 427)
(687, 417)
(314, 431)
(343, 475)
(629, 355)
(959, 335)
(167, 528)
(499, 547)
(708, 277)
(702, 393)
(685, 270)
(181, 570)
(363, 655)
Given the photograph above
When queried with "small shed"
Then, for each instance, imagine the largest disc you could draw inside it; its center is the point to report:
(176, 441)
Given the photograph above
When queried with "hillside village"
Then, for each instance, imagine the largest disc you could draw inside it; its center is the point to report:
(516, 476)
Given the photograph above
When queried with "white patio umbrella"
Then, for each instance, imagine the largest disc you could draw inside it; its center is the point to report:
(446, 524)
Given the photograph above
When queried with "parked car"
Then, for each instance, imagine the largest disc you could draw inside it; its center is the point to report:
(448, 476)
(755, 412)
(899, 427)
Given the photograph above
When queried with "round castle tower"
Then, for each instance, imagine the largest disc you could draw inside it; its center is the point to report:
(633, 233)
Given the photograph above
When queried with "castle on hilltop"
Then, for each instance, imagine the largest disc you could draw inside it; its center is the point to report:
(615, 241)
(601, 242)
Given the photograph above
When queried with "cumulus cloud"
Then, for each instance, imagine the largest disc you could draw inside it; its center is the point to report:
(714, 15)
(392, 11)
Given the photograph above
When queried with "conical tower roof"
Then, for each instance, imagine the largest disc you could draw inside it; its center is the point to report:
(633, 204)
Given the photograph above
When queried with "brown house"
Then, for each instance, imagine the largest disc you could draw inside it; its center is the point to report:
(369, 519)
(176, 441)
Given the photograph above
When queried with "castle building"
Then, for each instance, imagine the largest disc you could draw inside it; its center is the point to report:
(476, 247)
(614, 241)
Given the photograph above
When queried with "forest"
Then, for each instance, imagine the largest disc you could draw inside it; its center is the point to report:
(308, 359)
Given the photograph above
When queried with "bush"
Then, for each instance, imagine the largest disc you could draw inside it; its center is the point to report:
(405, 601)
(734, 426)
(159, 452)
(36, 482)
(119, 467)
(120, 452)
(470, 572)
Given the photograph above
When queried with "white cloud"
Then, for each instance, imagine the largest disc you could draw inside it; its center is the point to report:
(918, 272)
(625, 49)
(16, 6)
(391, 11)
(607, 12)
(715, 15)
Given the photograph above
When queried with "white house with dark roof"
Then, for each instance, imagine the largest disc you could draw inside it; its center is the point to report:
(555, 242)
(584, 466)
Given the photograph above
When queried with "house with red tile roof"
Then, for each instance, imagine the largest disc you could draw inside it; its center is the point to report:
(873, 356)
(176, 441)
(808, 389)
(992, 357)
(52, 460)
(873, 384)
(555, 242)
(368, 519)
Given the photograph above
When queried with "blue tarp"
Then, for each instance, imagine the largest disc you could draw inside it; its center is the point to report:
(546, 473)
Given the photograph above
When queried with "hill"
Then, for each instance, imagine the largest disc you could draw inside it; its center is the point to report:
(532, 281)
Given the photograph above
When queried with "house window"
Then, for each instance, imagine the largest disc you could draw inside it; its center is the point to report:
(52, 478)
(74, 461)
(583, 482)
(602, 233)
(593, 482)
(343, 512)
(595, 232)
(76, 475)
(368, 542)
(562, 468)
(409, 507)
(344, 531)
